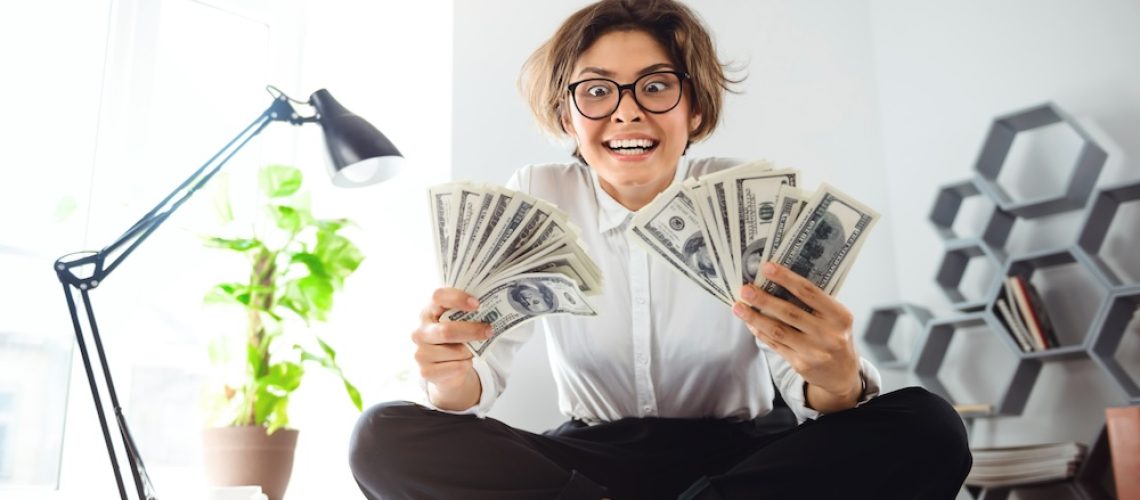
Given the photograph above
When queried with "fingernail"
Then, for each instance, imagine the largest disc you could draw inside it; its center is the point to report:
(473, 303)
(769, 269)
(738, 309)
(748, 292)
(488, 332)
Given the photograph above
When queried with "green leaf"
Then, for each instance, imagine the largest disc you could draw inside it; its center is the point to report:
(280, 416)
(328, 349)
(238, 244)
(283, 377)
(311, 261)
(319, 292)
(227, 293)
(341, 256)
(278, 181)
(286, 217)
(328, 360)
(353, 394)
(263, 405)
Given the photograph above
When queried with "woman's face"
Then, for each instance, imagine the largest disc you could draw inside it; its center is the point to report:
(623, 56)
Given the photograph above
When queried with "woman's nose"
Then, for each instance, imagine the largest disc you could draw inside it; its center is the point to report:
(628, 110)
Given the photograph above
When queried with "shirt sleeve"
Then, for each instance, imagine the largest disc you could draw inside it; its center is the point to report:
(793, 387)
(493, 367)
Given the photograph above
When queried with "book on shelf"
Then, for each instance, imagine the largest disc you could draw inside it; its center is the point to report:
(974, 410)
(1020, 465)
(1022, 310)
(1016, 329)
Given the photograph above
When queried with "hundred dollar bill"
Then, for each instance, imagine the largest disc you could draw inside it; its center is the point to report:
(467, 200)
(441, 198)
(754, 206)
(827, 236)
(485, 226)
(789, 202)
(518, 219)
(518, 299)
(719, 186)
(567, 263)
(716, 243)
(670, 228)
(471, 233)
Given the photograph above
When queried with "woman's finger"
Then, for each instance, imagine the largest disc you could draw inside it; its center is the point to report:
(802, 288)
(455, 332)
(768, 328)
(779, 309)
(444, 299)
(431, 353)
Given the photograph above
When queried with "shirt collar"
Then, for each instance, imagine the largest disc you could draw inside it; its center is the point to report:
(612, 214)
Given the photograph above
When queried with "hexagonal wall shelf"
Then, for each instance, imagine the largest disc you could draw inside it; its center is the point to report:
(881, 327)
(996, 149)
(958, 255)
(1101, 212)
(948, 203)
(1026, 266)
(1108, 330)
(936, 341)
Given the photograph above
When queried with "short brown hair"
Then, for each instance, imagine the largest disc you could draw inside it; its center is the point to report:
(678, 29)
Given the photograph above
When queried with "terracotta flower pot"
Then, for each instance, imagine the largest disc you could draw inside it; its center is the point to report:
(239, 456)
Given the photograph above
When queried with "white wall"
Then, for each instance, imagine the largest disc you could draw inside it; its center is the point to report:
(944, 70)
(809, 102)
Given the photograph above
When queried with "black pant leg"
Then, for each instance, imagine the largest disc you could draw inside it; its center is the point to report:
(908, 444)
(403, 450)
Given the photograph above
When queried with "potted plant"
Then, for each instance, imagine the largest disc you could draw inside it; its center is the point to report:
(297, 263)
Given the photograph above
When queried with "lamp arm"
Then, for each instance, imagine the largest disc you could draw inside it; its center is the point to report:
(83, 271)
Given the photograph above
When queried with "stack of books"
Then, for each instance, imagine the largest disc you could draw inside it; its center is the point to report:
(1020, 307)
(1021, 465)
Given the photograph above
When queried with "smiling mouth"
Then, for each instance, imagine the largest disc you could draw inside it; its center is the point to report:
(632, 147)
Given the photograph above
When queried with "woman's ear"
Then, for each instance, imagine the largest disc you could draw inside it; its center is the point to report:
(567, 125)
(694, 122)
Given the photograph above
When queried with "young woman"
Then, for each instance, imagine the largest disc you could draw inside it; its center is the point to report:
(668, 392)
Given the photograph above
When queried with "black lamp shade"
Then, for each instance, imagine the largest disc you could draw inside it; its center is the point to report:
(360, 155)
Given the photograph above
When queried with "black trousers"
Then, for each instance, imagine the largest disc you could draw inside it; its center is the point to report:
(908, 444)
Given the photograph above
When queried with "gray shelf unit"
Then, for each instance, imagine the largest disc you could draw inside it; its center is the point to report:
(1108, 330)
(957, 258)
(881, 327)
(1101, 213)
(935, 343)
(996, 148)
(1100, 342)
(948, 202)
(1026, 266)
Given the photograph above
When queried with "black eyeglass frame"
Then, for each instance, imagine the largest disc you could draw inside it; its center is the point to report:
(632, 88)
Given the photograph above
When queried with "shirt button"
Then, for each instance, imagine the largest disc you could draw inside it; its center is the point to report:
(641, 359)
(641, 300)
(647, 409)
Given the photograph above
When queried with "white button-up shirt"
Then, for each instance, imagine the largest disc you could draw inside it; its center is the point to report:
(660, 345)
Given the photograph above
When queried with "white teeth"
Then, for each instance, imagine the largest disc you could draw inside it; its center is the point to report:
(631, 151)
(632, 143)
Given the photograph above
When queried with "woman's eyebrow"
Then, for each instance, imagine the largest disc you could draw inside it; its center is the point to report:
(610, 74)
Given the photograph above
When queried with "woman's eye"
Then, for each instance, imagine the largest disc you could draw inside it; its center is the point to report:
(655, 87)
(597, 91)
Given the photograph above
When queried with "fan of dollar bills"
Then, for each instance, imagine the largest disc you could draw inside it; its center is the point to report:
(717, 230)
(520, 256)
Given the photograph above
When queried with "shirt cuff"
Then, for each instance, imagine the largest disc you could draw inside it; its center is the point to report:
(872, 386)
(487, 396)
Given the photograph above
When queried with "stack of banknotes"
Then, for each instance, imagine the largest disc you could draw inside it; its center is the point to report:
(717, 230)
(520, 256)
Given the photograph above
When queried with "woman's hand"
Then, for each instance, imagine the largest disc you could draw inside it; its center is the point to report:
(444, 360)
(818, 345)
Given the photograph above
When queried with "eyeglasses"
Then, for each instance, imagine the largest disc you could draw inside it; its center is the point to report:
(657, 92)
